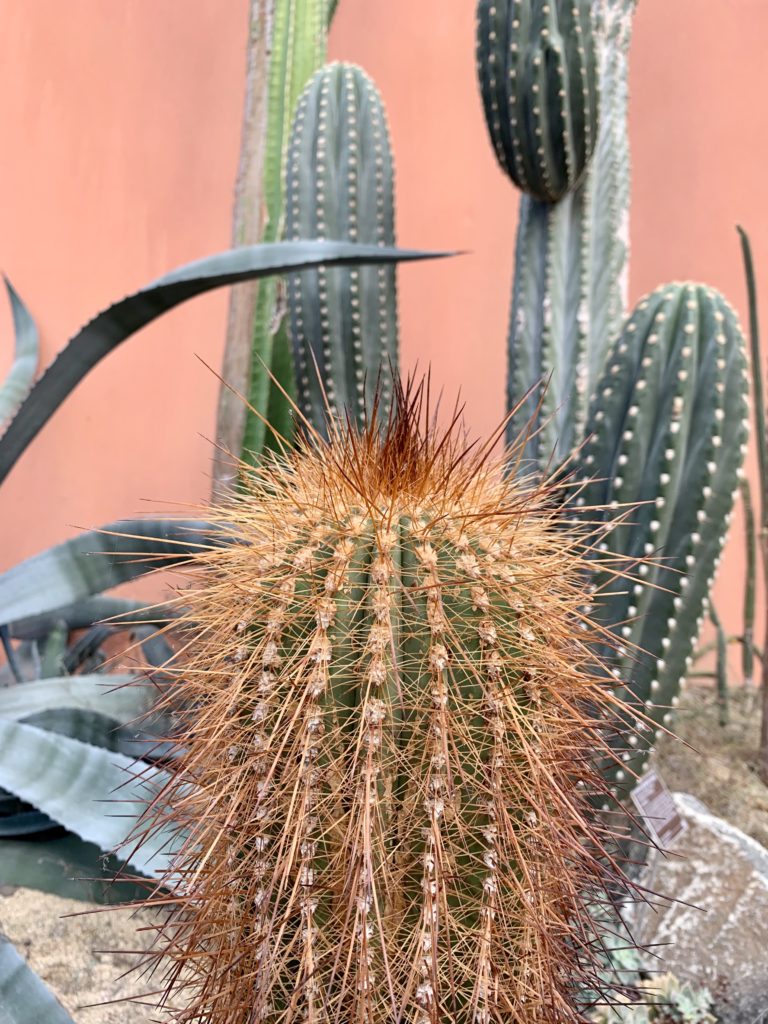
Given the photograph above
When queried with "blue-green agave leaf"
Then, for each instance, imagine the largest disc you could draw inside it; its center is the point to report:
(21, 376)
(24, 999)
(98, 560)
(97, 794)
(117, 323)
(65, 866)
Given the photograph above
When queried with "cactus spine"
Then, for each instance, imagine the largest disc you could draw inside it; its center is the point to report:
(539, 83)
(667, 429)
(393, 705)
(339, 185)
(569, 291)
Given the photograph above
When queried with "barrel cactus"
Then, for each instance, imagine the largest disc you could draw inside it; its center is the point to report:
(538, 70)
(339, 185)
(384, 808)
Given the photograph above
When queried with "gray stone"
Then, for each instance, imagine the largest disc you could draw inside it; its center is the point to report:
(713, 928)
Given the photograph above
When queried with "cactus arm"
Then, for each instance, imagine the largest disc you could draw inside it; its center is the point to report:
(569, 291)
(339, 185)
(298, 48)
(538, 76)
(667, 430)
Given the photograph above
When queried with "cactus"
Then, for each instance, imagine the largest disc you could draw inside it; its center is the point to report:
(385, 802)
(667, 429)
(343, 322)
(569, 292)
(298, 46)
(539, 83)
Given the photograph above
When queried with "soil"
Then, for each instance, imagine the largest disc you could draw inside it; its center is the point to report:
(719, 764)
(83, 958)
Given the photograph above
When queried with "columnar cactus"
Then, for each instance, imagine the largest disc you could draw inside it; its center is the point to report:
(666, 442)
(539, 83)
(384, 806)
(569, 291)
(339, 185)
(298, 34)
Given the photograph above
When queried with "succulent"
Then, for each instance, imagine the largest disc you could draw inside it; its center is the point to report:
(668, 1001)
(538, 70)
(385, 806)
(569, 289)
(651, 411)
(339, 185)
(666, 441)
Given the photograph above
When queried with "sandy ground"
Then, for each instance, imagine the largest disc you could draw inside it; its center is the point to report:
(68, 953)
(721, 770)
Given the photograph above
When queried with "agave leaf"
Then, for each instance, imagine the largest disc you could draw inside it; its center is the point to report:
(25, 822)
(109, 329)
(21, 376)
(121, 697)
(65, 866)
(97, 794)
(121, 613)
(98, 560)
(24, 999)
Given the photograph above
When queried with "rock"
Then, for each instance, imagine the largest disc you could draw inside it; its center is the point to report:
(73, 954)
(715, 934)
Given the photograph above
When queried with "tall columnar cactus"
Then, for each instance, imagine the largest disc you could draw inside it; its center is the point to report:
(666, 441)
(569, 292)
(339, 185)
(385, 797)
(539, 84)
(298, 44)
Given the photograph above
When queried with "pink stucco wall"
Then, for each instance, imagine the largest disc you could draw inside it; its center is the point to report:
(120, 126)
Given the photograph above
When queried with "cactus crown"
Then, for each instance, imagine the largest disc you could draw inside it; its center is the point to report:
(384, 805)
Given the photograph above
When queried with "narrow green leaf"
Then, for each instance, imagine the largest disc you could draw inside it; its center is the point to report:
(26, 354)
(117, 323)
(24, 999)
(721, 671)
(758, 400)
(97, 794)
(750, 585)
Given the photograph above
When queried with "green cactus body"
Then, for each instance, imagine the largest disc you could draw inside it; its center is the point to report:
(667, 429)
(298, 47)
(538, 72)
(569, 291)
(339, 185)
(389, 747)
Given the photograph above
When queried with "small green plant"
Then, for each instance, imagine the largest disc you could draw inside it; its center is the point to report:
(668, 1001)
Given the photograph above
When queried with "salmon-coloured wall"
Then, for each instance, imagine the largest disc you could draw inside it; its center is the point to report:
(120, 125)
